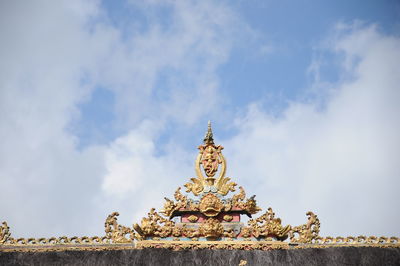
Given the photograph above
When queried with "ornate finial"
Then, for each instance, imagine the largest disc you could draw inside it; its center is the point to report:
(208, 139)
(208, 162)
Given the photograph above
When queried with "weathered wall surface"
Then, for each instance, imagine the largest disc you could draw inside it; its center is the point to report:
(325, 256)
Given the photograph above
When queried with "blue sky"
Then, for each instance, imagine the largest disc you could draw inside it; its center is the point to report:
(103, 104)
(285, 37)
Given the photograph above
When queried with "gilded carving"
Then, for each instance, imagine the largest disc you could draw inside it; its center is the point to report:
(180, 198)
(155, 225)
(229, 233)
(224, 186)
(193, 206)
(117, 233)
(218, 231)
(193, 218)
(210, 205)
(230, 245)
(209, 161)
(250, 205)
(267, 226)
(308, 232)
(196, 187)
(190, 232)
(169, 207)
(228, 217)
(238, 199)
(211, 228)
(246, 232)
(4, 233)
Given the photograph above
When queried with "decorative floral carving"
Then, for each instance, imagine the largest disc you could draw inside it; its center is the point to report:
(155, 225)
(229, 245)
(193, 218)
(180, 198)
(155, 231)
(228, 217)
(196, 187)
(224, 186)
(246, 232)
(250, 205)
(117, 233)
(308, 232)
(190, 232)
(268, 226)
(229, 233)
(238, 199)
(4, 233)
(211, 228)
(169, 207)
(194, 206)
(210, 205)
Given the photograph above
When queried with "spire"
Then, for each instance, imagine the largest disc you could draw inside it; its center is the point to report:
(208, 139)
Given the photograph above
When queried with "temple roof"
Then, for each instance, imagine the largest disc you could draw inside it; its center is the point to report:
(208, 215)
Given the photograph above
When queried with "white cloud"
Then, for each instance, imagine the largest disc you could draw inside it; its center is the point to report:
(53, 57)
(176, 60)
(55, 54)
(341, 161)
(138, 176)
(44, 48)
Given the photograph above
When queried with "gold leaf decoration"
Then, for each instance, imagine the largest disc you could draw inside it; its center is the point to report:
(193, 218)
(210, 221)
(308, 232)
(4, 233)
(117, 233)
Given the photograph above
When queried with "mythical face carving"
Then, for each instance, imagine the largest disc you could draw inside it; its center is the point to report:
(210, 205)
(210, 161)
(211, 228)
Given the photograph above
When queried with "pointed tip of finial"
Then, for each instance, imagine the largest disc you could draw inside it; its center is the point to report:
(208, 139)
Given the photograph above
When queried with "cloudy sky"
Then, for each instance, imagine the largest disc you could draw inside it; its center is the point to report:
(102, 106)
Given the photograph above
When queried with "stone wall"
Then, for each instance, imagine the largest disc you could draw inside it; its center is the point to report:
(323, 256)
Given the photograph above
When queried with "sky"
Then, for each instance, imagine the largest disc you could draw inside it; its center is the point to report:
(103, 105)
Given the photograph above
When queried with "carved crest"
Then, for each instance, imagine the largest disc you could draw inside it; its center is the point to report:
(209, 161)
(207, 218)
(211, 205)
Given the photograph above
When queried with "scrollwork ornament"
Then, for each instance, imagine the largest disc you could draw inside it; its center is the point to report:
(156, 226)
(180, 198)
(4, 233)
(196, 186)
(306, 233)
(211, 228)
(267, 226)
(116, 232)
(210, 205)
(209, 221)
(169, 207)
